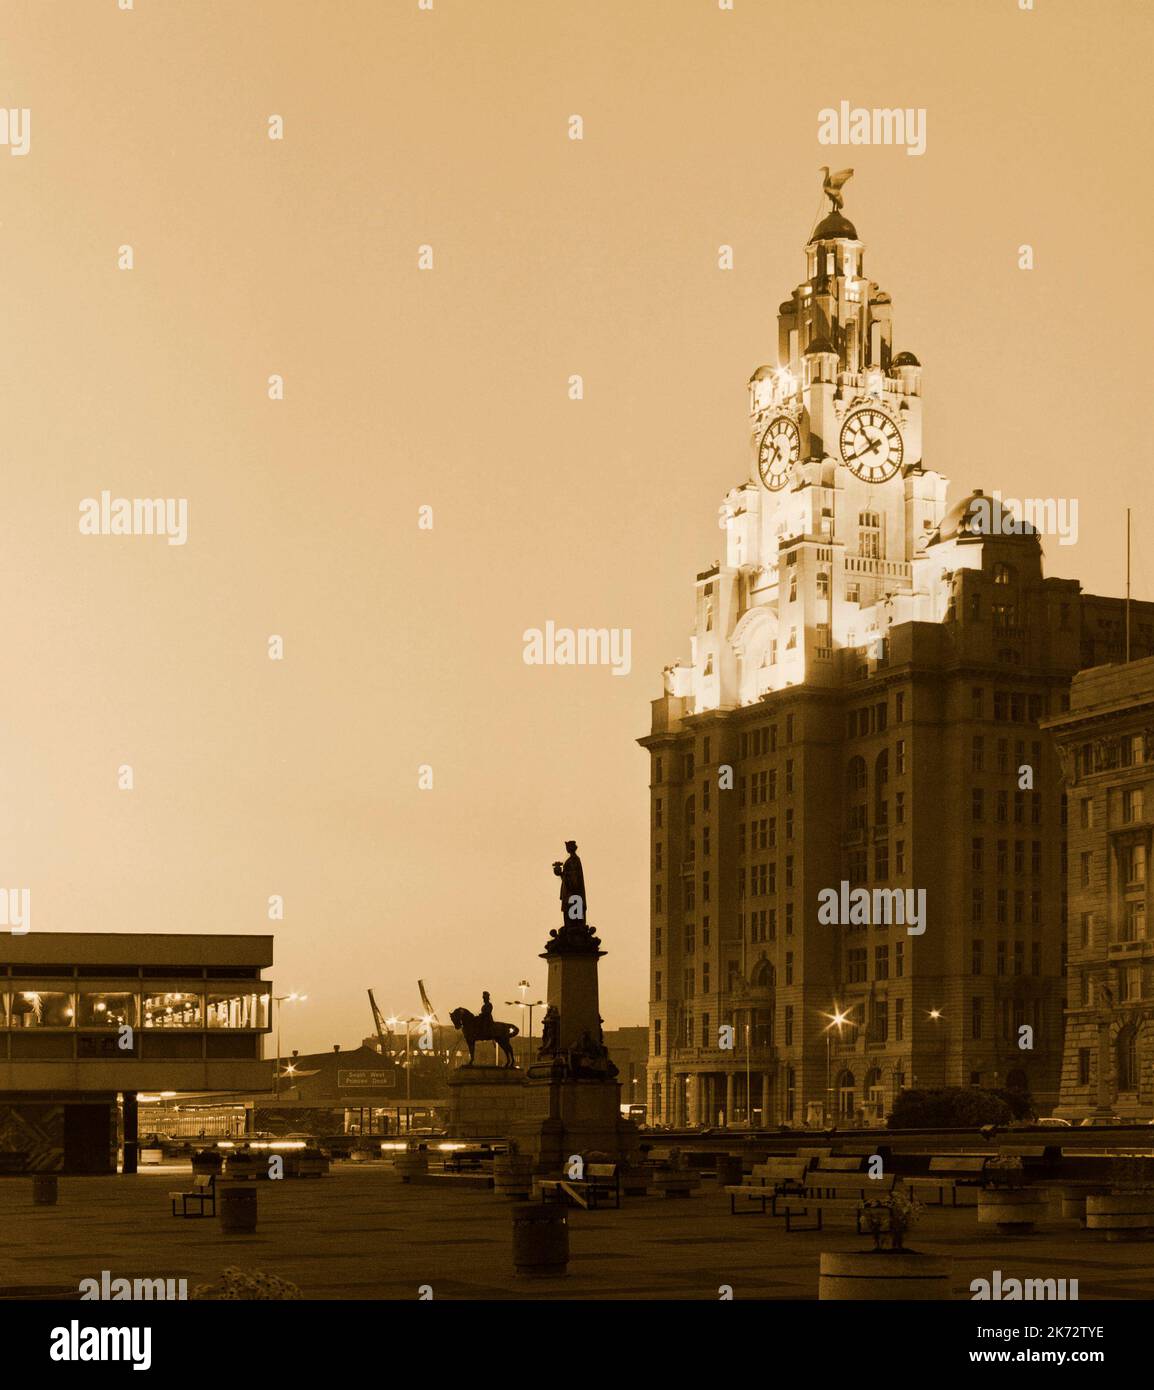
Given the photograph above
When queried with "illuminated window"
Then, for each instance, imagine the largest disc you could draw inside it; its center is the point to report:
(41, 1009)
(238, 1010)
(172, 1010)
(107, 1011)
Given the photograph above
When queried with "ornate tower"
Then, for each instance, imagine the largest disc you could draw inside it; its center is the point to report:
(824, 537)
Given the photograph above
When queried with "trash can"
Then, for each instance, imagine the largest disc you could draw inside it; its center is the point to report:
(540, 1240)
(728, 1171)
(236, 1203)
(44, 1189)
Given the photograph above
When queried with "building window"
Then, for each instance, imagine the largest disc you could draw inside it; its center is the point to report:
(899, 960)
(109, 1011)
(1132, 805)
(1127, 1058)
(881, 962)
(789, 1025)
(657, 986)
(899, 1019)
(1083, 1066)
(976, 854)
(657, 1037)
(657, 814)
(176, 1010)
(977, 804)
(976, 1018)
(1086, 862)
(856, 965)
(41, 1009)
(976, 958)
(237, 1010)
(789, 967)
(900, 857)
(656, 941)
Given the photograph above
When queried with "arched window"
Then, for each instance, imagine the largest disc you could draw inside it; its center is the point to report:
(1004, 574)
(856, 775)
(790, 1092)
(875, 1095)
(764, 974)
(845, 1093)
(1126, 1048)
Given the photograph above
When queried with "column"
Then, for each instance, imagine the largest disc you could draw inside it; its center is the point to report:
(767, 1116)
(131, 1131)
(728, 1097)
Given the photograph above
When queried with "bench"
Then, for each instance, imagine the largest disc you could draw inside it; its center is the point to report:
(458, 1160)
(203, 1191)
(767, 1182)
(600, 1180)
(948, 1172)
(843, 1193)
(812, 1156)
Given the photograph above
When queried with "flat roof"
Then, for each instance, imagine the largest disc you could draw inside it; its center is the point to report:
(134, 948)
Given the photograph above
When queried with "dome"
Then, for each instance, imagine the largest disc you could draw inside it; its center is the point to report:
(905, 359)
(979, 515)
(834, 226)
(763, 373)
(820, 344)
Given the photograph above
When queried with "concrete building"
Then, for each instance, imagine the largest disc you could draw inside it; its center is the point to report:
(861, 710)
(1106, 744)
(88, 1020)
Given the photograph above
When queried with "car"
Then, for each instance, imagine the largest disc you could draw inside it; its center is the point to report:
(1100, 1121)
(1055, 1122)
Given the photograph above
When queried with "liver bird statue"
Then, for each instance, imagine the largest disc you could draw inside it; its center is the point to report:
(832, 186)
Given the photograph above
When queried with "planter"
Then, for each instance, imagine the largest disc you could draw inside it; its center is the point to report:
(363, 1156)
(1121, 1215)
(512, 1175)
(207, 1161)
(636, 1179)
(306, 1163)
(883, 1276)
(245, 1166)
(236, 1206)
(729, 1171)
(1014, 1210)
(540, 1240)
(151, 1156)
(44, 1190)
(411, 1164)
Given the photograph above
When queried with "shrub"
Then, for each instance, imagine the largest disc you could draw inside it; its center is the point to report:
(249, 1285)
(952, 1107)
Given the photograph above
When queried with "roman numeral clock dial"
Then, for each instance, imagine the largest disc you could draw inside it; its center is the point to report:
(778, 451)
(871, 445)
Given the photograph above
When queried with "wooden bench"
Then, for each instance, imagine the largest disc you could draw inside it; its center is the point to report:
(948, 1172)
(843, 1193)
(767, 1182)
(600, 1180)
(203, 1191)
(460, 1160)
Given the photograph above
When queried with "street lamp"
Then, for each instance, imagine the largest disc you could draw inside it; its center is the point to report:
(278, 1000)
(836, 1019)
(392, 1022)
(523, 1003)
(936, 1016)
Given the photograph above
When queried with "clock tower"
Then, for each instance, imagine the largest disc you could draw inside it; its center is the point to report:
(825, 536)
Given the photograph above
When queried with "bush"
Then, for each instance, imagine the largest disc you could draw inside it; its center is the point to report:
(247, 1284)
(953, 1107)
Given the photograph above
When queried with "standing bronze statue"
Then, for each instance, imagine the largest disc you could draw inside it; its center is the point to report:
(574, 905)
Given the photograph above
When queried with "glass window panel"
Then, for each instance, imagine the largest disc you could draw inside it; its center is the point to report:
(238, 1010)
(99, 1010)
(171, 1010)
(35, 1009)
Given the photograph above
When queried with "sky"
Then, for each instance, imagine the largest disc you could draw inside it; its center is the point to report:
(449, 388)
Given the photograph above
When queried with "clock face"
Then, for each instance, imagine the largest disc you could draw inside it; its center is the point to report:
(871, 445)
(779, 449)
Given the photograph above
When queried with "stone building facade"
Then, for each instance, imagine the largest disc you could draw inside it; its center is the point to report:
(861, 710)
(1106, 743)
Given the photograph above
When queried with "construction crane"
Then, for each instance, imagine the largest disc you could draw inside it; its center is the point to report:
(380, 1023)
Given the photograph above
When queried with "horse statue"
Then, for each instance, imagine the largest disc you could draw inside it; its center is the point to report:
(477, 1030)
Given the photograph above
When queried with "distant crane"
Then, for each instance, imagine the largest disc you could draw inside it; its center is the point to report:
(380, 1023)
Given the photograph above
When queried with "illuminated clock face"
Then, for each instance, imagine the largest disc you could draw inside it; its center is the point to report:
(871, 445)
(780, 448)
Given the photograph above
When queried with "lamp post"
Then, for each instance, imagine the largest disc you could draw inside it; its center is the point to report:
(524, 1003)
(392, 1022)
(279, 1000)
(936, 1016)
(836, 1019)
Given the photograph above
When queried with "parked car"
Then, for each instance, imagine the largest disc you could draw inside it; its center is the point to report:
(1100, 1121)
(1055, 1122)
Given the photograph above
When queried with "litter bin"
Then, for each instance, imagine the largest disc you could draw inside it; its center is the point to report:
(728, 1171)
(236, 1203)
(44, 1189)
(540, 1240)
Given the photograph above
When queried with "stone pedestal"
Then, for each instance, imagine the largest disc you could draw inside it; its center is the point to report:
(572, 1099)
(485, 1102)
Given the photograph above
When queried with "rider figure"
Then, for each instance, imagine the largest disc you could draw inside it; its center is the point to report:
(486, 1016)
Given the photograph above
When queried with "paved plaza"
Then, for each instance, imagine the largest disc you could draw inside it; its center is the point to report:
(362, 1234)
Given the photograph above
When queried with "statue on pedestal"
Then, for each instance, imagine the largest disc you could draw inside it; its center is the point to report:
(483, 1027)
(575, 930)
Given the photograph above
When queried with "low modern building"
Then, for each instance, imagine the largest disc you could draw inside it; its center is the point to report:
(90, 1019)
(1106, 743)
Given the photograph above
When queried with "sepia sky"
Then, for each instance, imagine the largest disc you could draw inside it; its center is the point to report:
(448, 388)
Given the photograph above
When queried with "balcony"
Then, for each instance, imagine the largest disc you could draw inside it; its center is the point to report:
(761, 1056)
(1130, 950)
(879, 569)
